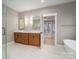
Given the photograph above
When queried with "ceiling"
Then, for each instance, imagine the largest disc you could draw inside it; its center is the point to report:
(25, 5)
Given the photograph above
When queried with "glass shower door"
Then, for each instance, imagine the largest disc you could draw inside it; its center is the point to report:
(4, 37)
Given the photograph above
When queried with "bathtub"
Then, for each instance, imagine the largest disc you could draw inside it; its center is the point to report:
(70, 45)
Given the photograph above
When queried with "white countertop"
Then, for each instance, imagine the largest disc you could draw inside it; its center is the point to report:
(28, 31)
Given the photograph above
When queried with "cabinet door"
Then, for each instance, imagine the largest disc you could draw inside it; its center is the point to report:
(30, 38)
(36, 39)
(19, 38)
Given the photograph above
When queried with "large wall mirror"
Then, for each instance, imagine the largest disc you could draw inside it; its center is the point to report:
(21, 24)
(36, 23)
(32, 23)
(29, 23)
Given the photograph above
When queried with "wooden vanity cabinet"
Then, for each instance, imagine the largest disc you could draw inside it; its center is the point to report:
(27, 38)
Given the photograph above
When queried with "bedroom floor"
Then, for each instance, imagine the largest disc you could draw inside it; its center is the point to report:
(20, 51)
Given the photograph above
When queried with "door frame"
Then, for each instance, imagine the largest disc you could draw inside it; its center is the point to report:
(53, 14)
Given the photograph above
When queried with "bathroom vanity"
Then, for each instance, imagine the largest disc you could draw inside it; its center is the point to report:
(28, 38)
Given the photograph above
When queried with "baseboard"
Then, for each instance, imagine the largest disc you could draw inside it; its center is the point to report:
(10, 42)
(59, 45)
(3, 45)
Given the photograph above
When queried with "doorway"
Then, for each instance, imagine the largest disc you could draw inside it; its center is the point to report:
(50, 29)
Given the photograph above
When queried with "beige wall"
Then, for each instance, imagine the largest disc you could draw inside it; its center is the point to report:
(66, 15)
(12, 23)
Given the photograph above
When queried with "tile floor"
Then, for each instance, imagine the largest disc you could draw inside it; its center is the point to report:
(49, 38)
(20, 51)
